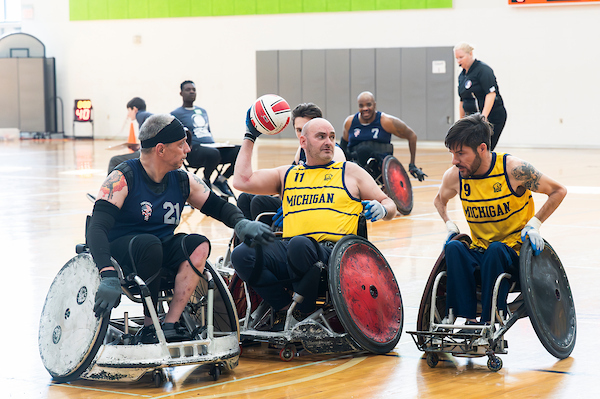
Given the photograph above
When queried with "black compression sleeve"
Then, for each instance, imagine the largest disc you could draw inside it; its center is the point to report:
(222, 210)
(102, 220)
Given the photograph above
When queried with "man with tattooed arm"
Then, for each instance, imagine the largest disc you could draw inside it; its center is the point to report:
(495, 190)
(135, 217)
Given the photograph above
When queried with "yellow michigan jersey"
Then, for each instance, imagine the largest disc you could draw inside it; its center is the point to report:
(494, 211)
(316, 203)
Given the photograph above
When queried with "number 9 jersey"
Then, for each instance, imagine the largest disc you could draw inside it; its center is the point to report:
(493, 210)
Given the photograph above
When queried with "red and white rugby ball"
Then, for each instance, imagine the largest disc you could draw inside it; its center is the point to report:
(270, 114)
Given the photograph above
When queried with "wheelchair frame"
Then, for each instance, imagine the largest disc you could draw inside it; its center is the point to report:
(482, 340)
(319, 333)
(117, 359)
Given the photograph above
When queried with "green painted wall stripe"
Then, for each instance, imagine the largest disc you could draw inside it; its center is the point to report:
(85, 10)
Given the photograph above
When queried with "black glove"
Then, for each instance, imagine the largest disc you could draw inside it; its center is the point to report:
(251, 132)
(417, 173)
(254, 232)
(109, 293)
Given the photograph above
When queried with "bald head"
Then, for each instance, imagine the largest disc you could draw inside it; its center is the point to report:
(318, 141)
(365, 96)
(317, 124)
(367, 107)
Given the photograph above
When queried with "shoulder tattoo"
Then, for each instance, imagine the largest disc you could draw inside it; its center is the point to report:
(201, 182)
(114, 182)
(527, 175)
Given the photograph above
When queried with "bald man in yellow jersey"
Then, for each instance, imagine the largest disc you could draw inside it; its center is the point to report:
(322, 201)
(495, 190)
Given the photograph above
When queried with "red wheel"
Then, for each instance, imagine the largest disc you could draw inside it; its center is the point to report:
(365, 294)
(397, 184)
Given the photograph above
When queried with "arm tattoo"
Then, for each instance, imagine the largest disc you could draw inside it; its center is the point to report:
(113, 183)
(201, 182)
(528, 175)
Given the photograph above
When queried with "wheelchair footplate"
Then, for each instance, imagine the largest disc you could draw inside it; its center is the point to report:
(315, 334)
(487, 342)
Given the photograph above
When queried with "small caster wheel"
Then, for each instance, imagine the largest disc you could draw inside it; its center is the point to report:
(158, 378)
(215, 372)
(494, 363)
(432, 359)
(287, 353)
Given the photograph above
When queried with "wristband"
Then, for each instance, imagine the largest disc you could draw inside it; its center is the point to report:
(535, 223)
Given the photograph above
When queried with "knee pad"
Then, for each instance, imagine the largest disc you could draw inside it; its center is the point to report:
(193, 241)
(146, 248)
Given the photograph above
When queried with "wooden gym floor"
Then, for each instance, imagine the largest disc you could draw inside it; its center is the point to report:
(42, 213)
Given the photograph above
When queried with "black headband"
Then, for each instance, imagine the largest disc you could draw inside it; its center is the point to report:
(171, 133)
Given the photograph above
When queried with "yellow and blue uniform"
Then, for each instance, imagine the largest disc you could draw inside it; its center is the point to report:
(492, 209)
(318, 209)
(496, 215)
(317, 204)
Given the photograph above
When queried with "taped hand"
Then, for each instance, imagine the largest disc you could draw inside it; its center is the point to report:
(531, 231)
(251, 132)
(452, 231)
(253, 232)
(278, 218)
(417, 173)
(374, 210)
(108, 295)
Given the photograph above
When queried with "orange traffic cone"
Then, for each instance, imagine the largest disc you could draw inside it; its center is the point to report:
(132, 141)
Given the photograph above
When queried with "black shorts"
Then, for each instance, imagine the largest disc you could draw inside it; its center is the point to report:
(172, 249)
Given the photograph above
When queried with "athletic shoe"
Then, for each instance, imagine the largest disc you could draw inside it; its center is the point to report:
(145, 335)
(221, 184)
(174, 332)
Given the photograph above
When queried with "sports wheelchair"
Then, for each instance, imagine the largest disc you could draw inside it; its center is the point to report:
(377, 159)
(359, 305)
(74, 343)
(219, 169)
(542, 293)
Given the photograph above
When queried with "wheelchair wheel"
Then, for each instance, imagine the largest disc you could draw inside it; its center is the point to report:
(70, 334)
(425, 308)
(236, 287)
(365, 294)
(225, 317)
(397, 184)
(548, 299)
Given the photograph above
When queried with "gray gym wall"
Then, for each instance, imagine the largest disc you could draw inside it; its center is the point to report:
(413, 84)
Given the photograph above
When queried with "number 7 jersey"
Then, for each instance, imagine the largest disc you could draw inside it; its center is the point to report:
(317, 203)
(493, 210)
